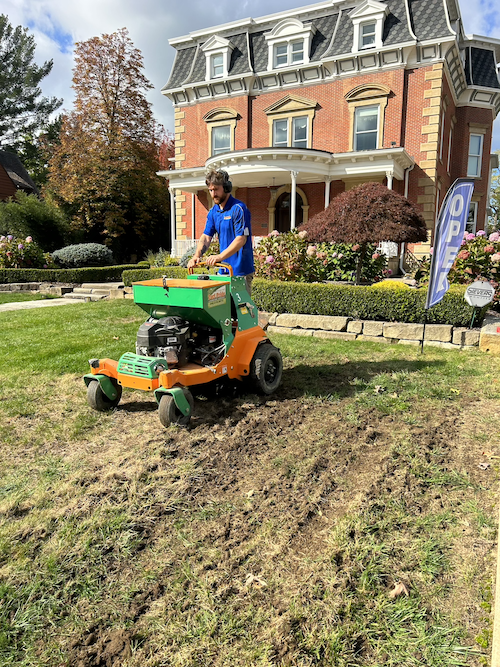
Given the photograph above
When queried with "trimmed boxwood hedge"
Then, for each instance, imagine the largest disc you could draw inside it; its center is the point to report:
(357, 301)
(87, 275)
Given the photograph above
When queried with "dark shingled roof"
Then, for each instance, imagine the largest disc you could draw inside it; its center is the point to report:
(480, 68)
(258, 48)
(199, 72)
(17, 173)
(321, 40)
(344, 36)
(396, 30)
(428, 19)
(239, 58)
(181, 68)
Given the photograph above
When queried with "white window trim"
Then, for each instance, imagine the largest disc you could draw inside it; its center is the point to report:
(362, 46)
(369, 11)
(212, 137)
(288, 31)
(289, 53)
(359, 108)
(215, 46)
(289, 131)
(480, 155)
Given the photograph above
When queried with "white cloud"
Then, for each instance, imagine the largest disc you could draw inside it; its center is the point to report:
(57, 24)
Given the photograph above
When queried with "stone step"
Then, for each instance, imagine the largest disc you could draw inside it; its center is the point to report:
(85, 296)
(102, 286)
(86, 290)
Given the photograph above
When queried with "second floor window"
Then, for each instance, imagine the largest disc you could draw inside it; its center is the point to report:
(288, 53)
(217, 65)
(475, 155)
(221, 139)
(367, 35)
(471, 223)
(290, 132)
(366, 128)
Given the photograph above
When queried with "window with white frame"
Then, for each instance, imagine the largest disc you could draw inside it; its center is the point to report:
(367, 32)
(366, 127)
(288, 53)
(450, 136)
(291, 132)
(217, 65)
(221, 139)
(471, 223)
(475, 155)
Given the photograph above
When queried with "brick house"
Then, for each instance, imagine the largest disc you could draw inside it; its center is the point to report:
(301, 105)
(14, 177)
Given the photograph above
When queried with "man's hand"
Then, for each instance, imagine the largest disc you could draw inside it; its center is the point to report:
(212, 260)
(194, 261)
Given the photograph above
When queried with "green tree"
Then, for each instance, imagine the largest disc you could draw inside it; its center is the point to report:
(37, 149)
(27, 215)
(23, 110)
(104, 170)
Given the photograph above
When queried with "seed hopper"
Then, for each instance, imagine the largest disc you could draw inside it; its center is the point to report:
(201, 329)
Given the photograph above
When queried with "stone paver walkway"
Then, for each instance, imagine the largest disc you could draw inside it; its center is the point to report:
(43, 303)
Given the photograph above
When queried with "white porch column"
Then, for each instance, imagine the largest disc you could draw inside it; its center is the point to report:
(193, 215)
(327, 191)
(173, 217)
(390, 176)
(293, 199)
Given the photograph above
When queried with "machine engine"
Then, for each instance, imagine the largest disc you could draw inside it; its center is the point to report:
(178, 342)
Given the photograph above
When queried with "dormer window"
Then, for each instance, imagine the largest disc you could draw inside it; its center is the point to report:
(288, 53)
(217, 52)
(368, 22)
(367, 35)
(289, 43)
(217, 66)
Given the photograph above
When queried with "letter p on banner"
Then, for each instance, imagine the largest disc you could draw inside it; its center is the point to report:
(448, 237)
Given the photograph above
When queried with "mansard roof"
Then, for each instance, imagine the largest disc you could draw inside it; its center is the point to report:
(407, 22)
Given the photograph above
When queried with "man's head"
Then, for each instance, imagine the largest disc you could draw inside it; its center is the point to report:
(219, 186)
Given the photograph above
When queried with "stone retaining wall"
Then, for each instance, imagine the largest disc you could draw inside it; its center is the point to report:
(345, 328)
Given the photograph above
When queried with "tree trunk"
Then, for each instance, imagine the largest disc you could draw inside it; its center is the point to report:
(359, 263)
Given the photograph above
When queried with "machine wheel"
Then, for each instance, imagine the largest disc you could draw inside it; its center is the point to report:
(169, 413)
(266, 369)
(98, 400)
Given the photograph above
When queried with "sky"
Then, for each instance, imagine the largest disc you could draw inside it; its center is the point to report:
(58, 24)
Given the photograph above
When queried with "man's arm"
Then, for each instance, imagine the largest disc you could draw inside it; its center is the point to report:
(231, 250)
(201, 248)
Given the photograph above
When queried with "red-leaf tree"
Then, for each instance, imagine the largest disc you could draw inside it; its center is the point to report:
(104, 170)
(369, 213)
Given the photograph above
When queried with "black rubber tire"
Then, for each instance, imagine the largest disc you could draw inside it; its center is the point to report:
(169, 413)
(266, 369)
(98, 400)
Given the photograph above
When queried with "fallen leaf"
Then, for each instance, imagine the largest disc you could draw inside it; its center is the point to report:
(455, 391)
(379, 389)
(252, 580)
(394, 395)
(399, 589)
(249, 494)
(115, 338)
(483, 466)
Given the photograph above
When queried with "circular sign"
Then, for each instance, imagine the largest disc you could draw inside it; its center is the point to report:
(479, 294)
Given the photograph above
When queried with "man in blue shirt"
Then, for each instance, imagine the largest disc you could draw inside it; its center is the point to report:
(230, 218)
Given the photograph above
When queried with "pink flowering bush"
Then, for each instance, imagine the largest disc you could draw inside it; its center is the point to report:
(291, 257)
(478, 259)
(16, 253)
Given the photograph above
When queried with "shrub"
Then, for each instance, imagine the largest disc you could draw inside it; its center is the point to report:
(161, 258)
(27, 215)
(362, 302)
(85, 275)
(82, 255)
(478, 259)
(213, 249)
(22, 253)
(290, 257)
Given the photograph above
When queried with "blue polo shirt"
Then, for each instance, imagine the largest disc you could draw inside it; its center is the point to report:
(232, 221)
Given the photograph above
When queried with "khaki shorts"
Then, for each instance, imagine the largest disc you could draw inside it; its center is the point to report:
(248, 282)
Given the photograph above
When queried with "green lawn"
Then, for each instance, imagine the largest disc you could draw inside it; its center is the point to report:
(13, 297)
(272, 531)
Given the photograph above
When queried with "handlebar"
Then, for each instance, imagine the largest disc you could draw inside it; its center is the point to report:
(220, 264)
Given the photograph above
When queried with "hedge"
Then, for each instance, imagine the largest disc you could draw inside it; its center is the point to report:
(362, 302)
(357, 301)
(87, 275)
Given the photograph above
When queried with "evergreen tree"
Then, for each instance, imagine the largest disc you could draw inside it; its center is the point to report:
(23, 110)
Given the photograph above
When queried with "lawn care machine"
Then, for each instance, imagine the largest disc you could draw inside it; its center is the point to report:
(201, 329)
